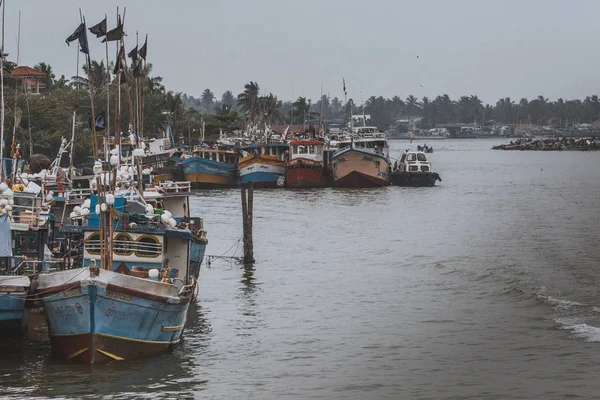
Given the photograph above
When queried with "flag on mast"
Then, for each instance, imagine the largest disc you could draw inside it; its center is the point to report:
(133, 54)
(119, 61)
(100, 121)
(81, 34)
(144, 49)
(114, 34)
(99, 29)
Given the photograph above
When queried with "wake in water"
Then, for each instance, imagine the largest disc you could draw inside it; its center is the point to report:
(580, 319)
(584, 331)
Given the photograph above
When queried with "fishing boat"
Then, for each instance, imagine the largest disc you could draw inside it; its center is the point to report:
(211, 167)
(263, 164)
(130, 299)
(139, 263)
(414, 170)
(25, 230)
(306, 166)
(362, 160)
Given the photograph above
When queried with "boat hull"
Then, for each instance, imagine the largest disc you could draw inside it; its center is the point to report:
(95, 318)
(357, 168)
(415, 179)
(301, 173)
(263, 172)
(206, 174)
(13, 313)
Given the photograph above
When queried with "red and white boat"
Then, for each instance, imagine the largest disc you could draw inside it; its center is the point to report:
(305, 167)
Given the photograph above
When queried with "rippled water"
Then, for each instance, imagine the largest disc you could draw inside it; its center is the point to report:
(484, 287)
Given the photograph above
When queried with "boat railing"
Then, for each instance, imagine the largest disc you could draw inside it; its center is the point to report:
(175, 187)
(128, 247)
(26, 266)
(26, 209)
(78, 194)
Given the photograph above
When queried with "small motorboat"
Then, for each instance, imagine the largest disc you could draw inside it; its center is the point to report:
(425, 149)
(414, 170)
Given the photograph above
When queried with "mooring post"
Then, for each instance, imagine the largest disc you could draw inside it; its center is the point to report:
(247, 210)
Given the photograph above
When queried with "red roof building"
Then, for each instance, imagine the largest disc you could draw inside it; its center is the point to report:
(31, 78)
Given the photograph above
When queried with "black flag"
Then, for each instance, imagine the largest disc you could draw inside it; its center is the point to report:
(99, 29)
(114, 34)
(344, 81)
(136, 70)
(133, 54)
(80, 34)
(100, 121)
(144, 49)
(119, 61)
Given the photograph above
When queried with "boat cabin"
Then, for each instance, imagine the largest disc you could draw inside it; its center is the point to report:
(274, 149)
(218, 155)
(414, 161)
(308, 149)
(135, 253)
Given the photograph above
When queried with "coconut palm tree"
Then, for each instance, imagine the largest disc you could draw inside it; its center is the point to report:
(207, 99)
(46, 69)
(301, 109)
(412, 105)
(98, 73)
(227, 99)
(248, 99)
(270, 108)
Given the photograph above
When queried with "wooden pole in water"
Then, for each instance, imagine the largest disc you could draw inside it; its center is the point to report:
(247, 211)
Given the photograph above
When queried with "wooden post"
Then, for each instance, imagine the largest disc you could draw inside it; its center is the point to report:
(247, 210)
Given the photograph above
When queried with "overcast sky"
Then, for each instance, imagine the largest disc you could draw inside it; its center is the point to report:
(516, 48)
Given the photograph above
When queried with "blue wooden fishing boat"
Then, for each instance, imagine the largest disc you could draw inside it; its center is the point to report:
(264, 164)
(131, 297)
(211, 168)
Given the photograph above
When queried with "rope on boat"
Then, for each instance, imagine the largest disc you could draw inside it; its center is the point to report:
(210, 258)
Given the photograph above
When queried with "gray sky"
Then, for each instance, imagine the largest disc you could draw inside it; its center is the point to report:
(516, 48)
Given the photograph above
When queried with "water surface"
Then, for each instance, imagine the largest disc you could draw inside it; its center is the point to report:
(483, 287)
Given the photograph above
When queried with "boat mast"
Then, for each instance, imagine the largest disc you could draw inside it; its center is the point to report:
(137, 97)
(108, 81)
(2, 95)
(16, 116)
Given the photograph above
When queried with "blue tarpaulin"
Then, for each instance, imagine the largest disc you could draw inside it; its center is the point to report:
(5, 237)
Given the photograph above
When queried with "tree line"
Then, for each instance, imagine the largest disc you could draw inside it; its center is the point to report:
(384, 111)
(48, 116)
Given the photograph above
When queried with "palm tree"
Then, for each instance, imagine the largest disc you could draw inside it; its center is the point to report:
(155, 85)
(60, 82)
(46, 69)
(248, 99)
(98, 73)
(270, 107)
(412, 105)
(207, 100)
(301, 109)
(227, 98)
(336, 106)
